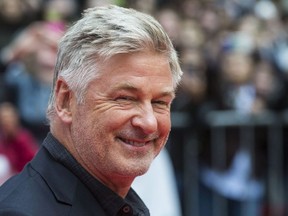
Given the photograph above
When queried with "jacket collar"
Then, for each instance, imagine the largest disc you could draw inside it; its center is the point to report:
(60, 180)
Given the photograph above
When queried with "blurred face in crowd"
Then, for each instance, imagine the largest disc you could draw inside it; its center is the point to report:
(264, 80)
(237, 68)
(171, 23)
(36, 48)
(125, 119)
(14, 11)
(43, 56)
(9, 121)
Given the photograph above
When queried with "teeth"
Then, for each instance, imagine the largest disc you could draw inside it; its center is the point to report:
(137, 144)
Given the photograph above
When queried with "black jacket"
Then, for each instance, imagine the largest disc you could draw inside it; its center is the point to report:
(45, 187)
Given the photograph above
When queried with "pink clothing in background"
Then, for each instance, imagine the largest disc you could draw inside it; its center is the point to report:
(19, 149)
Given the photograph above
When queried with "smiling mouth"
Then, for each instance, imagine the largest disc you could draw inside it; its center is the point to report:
(134, 143)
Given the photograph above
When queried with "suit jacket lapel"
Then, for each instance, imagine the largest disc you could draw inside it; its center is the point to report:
(65, 186)
(59, 179)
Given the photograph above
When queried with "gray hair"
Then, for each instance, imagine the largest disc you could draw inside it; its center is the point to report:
(102, 33)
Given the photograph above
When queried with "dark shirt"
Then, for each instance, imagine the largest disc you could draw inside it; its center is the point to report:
(111, 202)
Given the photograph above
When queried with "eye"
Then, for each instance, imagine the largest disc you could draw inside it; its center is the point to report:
(125, 98)
(161, 103)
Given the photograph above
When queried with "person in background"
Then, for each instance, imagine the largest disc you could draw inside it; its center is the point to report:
(16, 143)
(28, 77)
(115, 79)
(16, 15)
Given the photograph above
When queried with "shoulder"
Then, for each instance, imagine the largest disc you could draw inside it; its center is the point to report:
(28, 194)
(46, 187)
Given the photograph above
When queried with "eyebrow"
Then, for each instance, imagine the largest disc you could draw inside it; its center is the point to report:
(130, 87)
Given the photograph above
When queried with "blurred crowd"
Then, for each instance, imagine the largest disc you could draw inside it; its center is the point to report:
(234, 54)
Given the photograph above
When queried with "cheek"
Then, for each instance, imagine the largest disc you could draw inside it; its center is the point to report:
(112, 122)
(164, 124)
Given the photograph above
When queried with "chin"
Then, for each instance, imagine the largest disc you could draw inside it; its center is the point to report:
(135, 170)
(142, 173)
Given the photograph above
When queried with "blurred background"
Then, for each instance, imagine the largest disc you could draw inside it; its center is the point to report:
(227, 152)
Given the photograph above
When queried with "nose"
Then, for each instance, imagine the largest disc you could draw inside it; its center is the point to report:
(145, 119)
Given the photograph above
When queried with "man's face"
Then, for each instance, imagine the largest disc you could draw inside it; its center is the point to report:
(125, 120)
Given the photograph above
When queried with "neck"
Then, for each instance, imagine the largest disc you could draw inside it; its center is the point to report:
(119, 184)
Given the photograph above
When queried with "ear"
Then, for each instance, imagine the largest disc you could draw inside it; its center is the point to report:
(64, 101)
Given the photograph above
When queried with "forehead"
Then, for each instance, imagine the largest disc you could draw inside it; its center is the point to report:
(147, 60)
(161, 91)
(145, 69)
(140, 64)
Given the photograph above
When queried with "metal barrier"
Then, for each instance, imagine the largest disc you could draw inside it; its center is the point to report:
(263, 137)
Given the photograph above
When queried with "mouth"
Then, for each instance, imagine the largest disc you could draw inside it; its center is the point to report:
(135, 143)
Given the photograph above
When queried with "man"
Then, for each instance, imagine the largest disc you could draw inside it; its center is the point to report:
(115, 78)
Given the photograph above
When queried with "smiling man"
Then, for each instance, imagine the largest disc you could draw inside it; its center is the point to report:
(109, 111)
